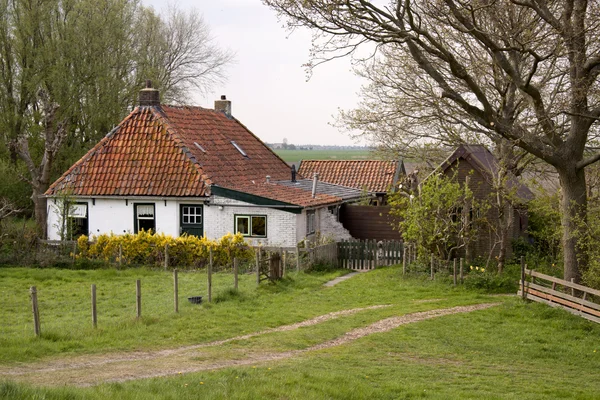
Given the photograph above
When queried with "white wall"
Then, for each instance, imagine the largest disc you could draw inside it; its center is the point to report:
(325, 223)
(116, 216)
(281, 225)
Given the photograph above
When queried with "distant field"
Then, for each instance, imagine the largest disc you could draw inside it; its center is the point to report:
(293, 156)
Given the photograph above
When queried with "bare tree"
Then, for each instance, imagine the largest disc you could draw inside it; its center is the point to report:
(522, 70)
(179, 52)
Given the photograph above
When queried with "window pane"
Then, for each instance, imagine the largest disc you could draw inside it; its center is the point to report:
(145, 211)
(259, 226)
(146, 224)
(242, 225)
(185, 219)
(78, 211)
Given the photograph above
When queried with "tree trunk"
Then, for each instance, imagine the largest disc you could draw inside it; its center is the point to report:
(573, 217)
(41, 212)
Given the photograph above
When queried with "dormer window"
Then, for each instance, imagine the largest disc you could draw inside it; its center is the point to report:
(237, 146)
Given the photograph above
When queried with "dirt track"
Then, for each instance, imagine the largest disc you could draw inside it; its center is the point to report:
(119, 367)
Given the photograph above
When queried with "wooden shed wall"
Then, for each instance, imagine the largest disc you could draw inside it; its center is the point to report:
(368, 222)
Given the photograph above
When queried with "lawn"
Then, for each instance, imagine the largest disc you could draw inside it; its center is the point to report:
(293, 156)
(513, 350)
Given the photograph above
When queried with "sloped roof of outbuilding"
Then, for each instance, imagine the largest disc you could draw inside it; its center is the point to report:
(374, 175)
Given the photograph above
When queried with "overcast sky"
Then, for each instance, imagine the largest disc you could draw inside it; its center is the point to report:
(267, 85)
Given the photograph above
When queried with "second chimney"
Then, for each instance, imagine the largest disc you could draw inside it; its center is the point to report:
(314, 187)
(149, 96)
(223, 105)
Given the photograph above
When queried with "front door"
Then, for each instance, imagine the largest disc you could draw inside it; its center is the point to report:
(191, 219)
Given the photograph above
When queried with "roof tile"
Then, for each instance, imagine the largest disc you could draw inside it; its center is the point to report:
(374, 175)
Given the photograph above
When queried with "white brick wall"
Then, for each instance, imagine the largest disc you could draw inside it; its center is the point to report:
(281, 225)
(330, 227)
(284, 228)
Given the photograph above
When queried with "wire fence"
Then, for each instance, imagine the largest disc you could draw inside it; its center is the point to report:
(65, 297)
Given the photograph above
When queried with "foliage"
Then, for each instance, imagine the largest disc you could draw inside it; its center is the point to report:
(490, 281)
(433, 218)
(146, 248)
(544, 224)
(72, 69)
(18, 239)
(522, 72)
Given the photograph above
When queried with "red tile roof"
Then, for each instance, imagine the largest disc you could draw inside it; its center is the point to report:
(171, 151)
(374, 175)
(286, 194)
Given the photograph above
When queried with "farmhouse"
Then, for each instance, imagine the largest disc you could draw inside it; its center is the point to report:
(477, 164)
(190, 170)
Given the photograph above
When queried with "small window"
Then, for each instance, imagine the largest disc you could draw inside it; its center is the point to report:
(237, 146)
(310, 222)
(144, 218)
(191, 214)
(77, 221)
(251, 225)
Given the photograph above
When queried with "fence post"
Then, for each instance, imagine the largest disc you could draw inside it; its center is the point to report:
(572, 289)
(36, 311)
(461, 271)
(74, 252)
(454, 273)
(404, 261)
(297, 258)
(138, 297)
(283, 261)
(176, 290)
(210, 267)
(257, 256)
(94, 312)
(523, 294)
(235, 273)
(120, 255)
(166, 256)
(432, 268)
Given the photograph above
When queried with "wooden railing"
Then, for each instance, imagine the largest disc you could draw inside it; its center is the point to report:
(555, 292)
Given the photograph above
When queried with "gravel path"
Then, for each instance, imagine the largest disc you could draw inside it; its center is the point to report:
(130, 366)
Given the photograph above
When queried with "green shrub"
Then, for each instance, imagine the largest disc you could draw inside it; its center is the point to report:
(145, 248)
(490, 281)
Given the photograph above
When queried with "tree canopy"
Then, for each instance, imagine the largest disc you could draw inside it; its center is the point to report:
(523, 71)
(71, 69)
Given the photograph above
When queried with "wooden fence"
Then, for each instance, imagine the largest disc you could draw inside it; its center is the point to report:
(559, 293)
(368, 254)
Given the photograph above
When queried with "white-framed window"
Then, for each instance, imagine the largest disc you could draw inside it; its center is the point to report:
(310, 222)
(144, 217)
(251, 225)
(191, 214)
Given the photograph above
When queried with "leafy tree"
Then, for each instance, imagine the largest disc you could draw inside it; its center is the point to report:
(437, 217)
(525, 71)
(71, 69)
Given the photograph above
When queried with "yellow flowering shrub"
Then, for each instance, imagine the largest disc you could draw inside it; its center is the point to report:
(146, 248)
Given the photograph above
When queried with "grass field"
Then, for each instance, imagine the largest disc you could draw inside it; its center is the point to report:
(293, 156)
(515, 350)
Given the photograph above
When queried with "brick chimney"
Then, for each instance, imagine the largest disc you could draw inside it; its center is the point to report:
(223, 105)
(149, 96)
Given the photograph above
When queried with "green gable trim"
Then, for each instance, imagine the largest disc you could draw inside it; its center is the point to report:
(253, 199)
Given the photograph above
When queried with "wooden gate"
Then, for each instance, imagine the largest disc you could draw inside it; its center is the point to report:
(368, 254)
